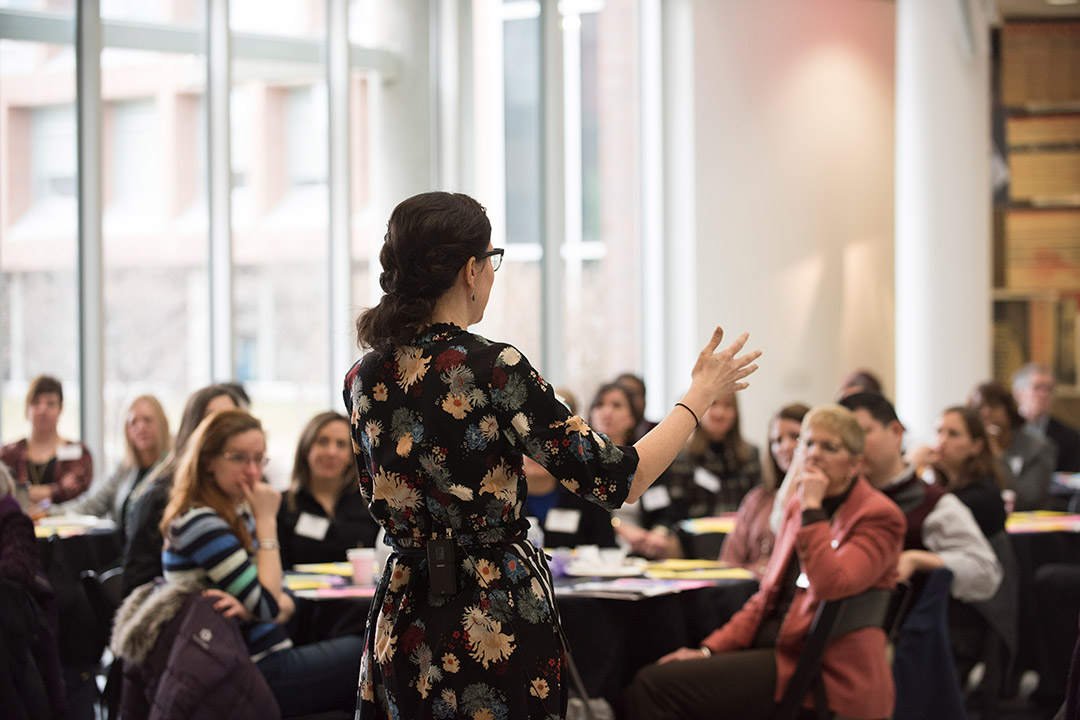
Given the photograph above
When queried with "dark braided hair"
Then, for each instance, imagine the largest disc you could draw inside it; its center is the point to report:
(428, 239)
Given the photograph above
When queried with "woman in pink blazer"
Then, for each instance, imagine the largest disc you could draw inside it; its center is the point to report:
(839, 537)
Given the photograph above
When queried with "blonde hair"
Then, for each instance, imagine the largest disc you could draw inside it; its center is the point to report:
(838, 420)
(193, 485)
(163, 440)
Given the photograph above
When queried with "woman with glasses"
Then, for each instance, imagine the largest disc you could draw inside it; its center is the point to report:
(323, 514)
(839, 537)
(463, 622)
(220, 529)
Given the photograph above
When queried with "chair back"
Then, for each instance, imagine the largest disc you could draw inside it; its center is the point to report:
(927, 687)
(873, 608)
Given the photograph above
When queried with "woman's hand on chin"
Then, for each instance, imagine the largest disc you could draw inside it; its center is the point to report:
(264, 500)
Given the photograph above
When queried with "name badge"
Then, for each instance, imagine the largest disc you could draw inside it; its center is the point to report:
(1016, 464)
(67, 453)
(655, 498)
(562, 520)
(312, 526)
(709, 481)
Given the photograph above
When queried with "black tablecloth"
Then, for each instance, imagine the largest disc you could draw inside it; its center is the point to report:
(611, 639)
(96, 550)
(1032, 551)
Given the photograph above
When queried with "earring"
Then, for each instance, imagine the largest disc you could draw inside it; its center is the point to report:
(474, 297)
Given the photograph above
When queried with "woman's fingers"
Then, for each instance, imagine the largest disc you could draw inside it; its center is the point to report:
(714, 341)
(736, 346)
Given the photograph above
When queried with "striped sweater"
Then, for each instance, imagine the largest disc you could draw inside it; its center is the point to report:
(202, 550)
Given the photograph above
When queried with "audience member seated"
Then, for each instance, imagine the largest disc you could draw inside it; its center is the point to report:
(142, 548)
(635, 385)
(858, 381)
(213, 542)
(839, 538)
(1033, 388)
(31, 681)
(147, 441)
(566, 519)
(941, 531)
(47, 468)
(1028, 459)
(323, 514)
(711, 475)
(750, 544)
(614, 414)
(960, 462)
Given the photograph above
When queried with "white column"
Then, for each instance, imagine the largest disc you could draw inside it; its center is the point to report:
(654, 319)
(943, 207)
(339, 268)
(554, 179)
(91, 297)
(219, 164)
(679, 340)
(403, 112)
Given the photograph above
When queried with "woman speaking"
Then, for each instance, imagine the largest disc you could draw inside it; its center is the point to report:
(463, 622)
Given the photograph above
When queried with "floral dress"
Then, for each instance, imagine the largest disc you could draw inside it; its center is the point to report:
(439, 428)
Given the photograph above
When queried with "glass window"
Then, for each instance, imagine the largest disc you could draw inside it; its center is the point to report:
(602, 256)
(155, 236)
(281, 228)
(38, 227)
(600, 253)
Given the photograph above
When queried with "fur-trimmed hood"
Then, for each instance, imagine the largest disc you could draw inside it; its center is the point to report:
(141, 617)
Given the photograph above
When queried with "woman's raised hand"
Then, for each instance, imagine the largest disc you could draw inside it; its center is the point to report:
(264, 500)
(718, 374)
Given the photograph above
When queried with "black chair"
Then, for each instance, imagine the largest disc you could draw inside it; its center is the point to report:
(1001, 640)
(105, 592)
(873, 608)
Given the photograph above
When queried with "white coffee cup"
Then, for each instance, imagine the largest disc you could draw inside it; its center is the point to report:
(363, 565)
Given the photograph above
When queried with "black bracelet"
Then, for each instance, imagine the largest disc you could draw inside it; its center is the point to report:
(683, 405)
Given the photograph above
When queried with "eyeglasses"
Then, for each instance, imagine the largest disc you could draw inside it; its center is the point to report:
(244, 460)
(826, 447)
(496, 256)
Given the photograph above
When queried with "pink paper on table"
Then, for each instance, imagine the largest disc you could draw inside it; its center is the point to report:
(345, 592)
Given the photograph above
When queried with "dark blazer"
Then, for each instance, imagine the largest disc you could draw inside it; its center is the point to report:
(856, 551)
(352, 526)
(1067, 441)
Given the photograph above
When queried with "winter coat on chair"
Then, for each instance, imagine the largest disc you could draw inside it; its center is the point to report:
(183, 660)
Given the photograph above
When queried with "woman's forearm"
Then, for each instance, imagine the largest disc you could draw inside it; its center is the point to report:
(661, 444)
(268, 556)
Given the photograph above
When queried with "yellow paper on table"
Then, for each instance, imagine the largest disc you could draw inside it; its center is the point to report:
(708, 525)
(343, 569)
(701, 574)
(304, 584)
(690, 569)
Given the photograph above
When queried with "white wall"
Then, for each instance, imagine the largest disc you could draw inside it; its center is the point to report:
(794, 136)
